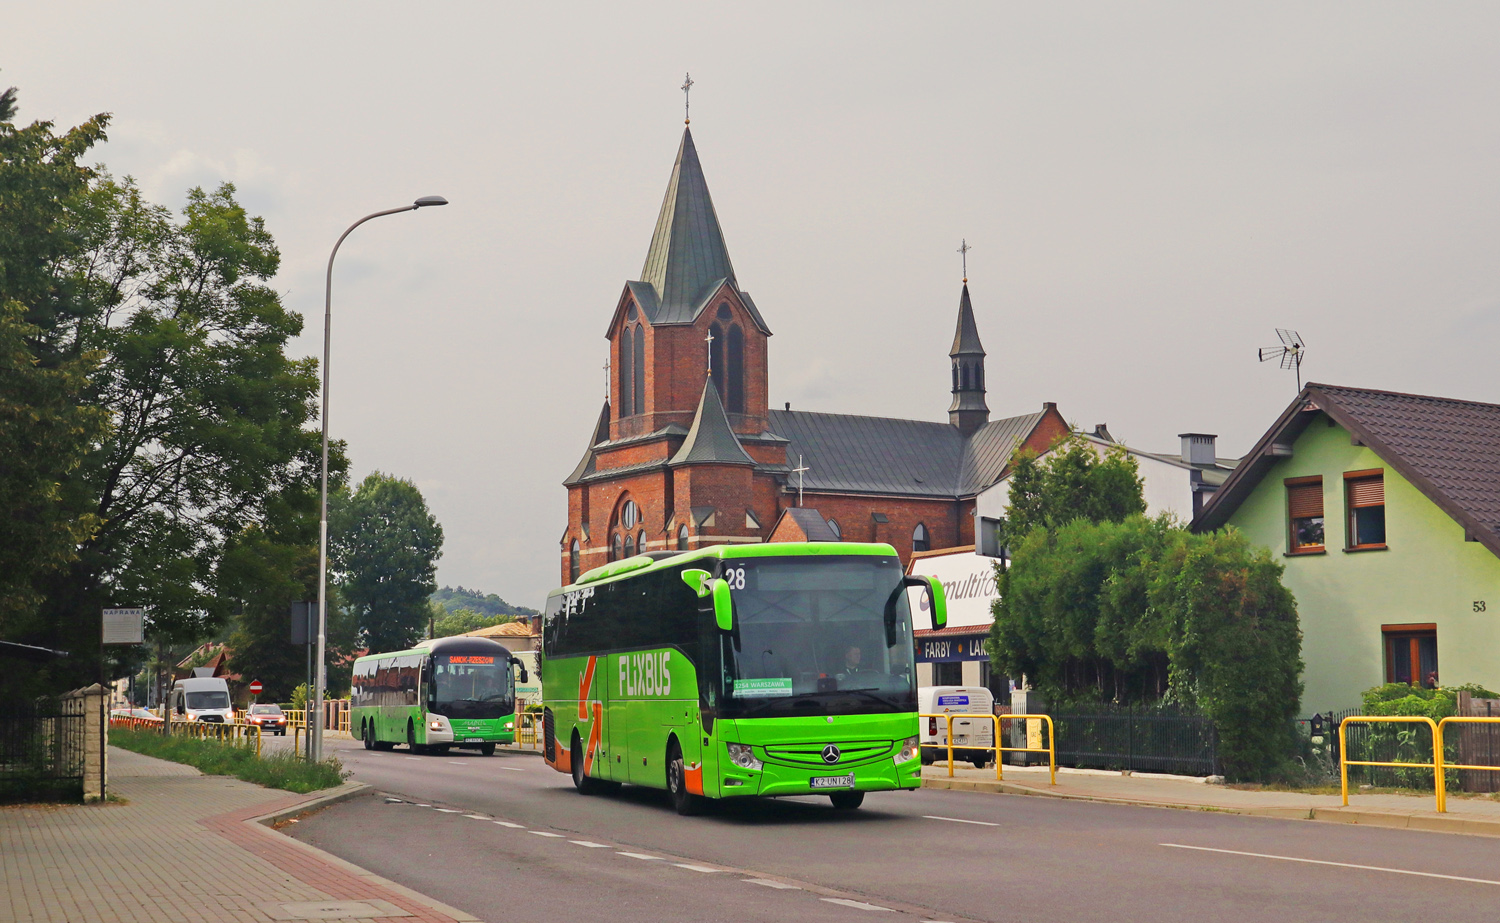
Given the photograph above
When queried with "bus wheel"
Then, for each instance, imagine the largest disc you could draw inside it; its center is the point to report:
(847, 801)
(411, 737)
(367, 731)
(686, 803)
(583, 783)
(487, 749)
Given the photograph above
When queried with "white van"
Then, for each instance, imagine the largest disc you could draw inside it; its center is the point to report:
(968, 733)
(202, 698)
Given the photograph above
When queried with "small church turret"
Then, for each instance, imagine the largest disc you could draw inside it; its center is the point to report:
(968, 411)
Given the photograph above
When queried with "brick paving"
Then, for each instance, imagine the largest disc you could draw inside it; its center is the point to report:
(179, 849)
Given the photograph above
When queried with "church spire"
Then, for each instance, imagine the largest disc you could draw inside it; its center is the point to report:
(687, 257)
(968, 411)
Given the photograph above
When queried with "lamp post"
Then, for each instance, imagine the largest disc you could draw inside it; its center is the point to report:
(315, 726)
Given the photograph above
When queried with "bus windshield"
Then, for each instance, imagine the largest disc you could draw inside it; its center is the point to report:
(817, 635)
(471, 686)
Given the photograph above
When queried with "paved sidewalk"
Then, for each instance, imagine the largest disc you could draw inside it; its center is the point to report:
(1464, 815)
(184, 847)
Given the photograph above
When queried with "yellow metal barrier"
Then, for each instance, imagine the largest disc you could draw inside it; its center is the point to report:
(1050, 749)
(529, 729)
(1437, 767)
(199, 729)
(1441, 727)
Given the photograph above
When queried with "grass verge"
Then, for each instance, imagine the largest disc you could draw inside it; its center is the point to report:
(275, 770)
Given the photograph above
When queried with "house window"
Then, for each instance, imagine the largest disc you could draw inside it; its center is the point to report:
(948, 674)
(919, 539)
(1304, 498)
(1364, 494)
(573, 562)
(1411, 654)
(682, 537)
(833, 526)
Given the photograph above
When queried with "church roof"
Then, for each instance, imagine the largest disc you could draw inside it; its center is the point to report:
(586, 463)
(966, 337)
(879, 455)
(711, 438)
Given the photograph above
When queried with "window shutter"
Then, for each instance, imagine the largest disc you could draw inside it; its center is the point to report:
(1367, 492)
(1305, 500)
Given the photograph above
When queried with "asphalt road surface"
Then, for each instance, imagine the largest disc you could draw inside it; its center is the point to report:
(507, 838)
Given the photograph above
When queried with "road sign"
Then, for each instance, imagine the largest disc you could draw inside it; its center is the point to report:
(256, 687)
(124, 626)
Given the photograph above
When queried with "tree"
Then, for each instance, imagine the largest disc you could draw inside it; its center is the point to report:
(1072, 482)
(384, 546)
(447, 623)
(454, 598)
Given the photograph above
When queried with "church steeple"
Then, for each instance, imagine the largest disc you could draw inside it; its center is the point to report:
(968, 411)
(687, 257)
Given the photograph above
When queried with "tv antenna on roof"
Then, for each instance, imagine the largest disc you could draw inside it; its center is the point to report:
(1290, 352)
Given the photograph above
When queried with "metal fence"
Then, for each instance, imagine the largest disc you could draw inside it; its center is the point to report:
(1140, 738)
(42, 750)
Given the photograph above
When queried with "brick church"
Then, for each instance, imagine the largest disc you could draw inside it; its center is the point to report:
(687, 451)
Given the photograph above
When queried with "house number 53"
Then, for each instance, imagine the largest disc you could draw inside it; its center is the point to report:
(1478, 605)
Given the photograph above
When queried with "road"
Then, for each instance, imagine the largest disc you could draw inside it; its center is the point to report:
(506, 838)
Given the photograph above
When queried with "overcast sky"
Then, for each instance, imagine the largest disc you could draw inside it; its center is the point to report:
(1149, 189)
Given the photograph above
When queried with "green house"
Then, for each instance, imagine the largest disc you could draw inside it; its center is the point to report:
(1386, 510)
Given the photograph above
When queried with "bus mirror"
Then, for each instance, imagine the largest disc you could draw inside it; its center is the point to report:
(524, 678)
(939, 603)
(699, 581)
(723, 605)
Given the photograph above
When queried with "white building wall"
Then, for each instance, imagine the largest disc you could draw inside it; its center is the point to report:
(1164, 486)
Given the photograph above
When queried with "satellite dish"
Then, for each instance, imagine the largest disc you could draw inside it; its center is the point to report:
(1289, 353)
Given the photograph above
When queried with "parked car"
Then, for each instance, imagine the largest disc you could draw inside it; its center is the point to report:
(140, 713)
(968, 733)
(268, 718)
(202, 698)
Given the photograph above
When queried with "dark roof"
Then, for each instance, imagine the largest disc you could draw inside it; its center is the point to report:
(586, 463)
(966, 336)
(990, 448)
(1448, 449)
(711, 438)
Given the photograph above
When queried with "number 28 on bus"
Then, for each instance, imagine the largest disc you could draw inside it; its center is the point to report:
(731, 671)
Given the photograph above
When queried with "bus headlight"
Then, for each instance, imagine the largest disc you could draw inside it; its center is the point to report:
(742, 756)
(438, 724)
(909, 749)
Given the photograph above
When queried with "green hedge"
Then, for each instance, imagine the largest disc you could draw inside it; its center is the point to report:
(282, 769)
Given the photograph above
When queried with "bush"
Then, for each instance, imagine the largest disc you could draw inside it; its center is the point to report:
(282, 769)
(1407, 743)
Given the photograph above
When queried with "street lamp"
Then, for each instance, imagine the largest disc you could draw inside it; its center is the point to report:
(315, 726)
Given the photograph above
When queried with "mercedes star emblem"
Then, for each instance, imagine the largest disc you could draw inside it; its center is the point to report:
(831, 753)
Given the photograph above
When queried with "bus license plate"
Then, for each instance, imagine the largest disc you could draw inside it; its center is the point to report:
(473, 740)
(833, 781)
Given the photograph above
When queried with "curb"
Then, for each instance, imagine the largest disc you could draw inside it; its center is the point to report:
(1428, 823)
(333, 796)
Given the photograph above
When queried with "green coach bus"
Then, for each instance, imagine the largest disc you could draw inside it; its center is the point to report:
(736, 670)
(449, 692)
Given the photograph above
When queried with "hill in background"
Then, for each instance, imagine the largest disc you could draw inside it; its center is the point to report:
(455, 598)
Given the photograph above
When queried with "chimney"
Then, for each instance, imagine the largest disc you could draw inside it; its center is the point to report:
(1199, 448)
(1101, 431)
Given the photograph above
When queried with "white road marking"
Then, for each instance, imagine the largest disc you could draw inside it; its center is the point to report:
(770, 884)
(476, 817)
(857, 905)
(544, 833)
(449, 810)
(960, 820)
(694, 868)
(506, 823)
(637, 855)
(423, 805)
(510, 769)
(456, 763)
(589, 844)
(1344, 865)
(417, 758)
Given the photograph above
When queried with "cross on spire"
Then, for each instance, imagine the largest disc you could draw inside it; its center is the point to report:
(963, 251)
(687, 87)
(710, 341)
(799, 471)
(606, 378)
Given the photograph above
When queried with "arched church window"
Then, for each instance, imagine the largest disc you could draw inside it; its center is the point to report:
(919, 539)
(735, 368)
(638, 368)
(682, 538)
(640, 542)
(968, 377)
(955, 376)
(833, 525)
(627, 376)
(630, 314)
(573, 562)
(630, 546)
(617, 547)
(630, 514)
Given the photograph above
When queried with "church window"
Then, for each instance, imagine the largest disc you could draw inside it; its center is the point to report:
(640, 542)
(573, 562)
(627, 376)
(682, 538)
(630, 514)
(955, 376)
(617, 547)
(735, 369)
(725, 314)
(833, 525)
(630, 314)
(919, 539)
(638, 367)
(630, 546)
(716, 360)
